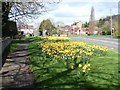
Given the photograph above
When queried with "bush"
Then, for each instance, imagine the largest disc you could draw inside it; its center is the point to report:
(117, 33)
(108, 32)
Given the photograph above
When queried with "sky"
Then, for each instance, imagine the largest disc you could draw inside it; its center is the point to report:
(70, 11)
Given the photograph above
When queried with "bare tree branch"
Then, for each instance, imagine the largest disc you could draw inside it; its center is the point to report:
(29, 9)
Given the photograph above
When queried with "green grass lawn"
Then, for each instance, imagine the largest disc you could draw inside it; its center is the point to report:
(52, 75)
(14, 44)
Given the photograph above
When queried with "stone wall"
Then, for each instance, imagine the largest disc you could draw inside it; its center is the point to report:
(3, 46)
(5, 43)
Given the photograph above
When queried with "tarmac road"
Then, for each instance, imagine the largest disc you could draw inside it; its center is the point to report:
(108, 42)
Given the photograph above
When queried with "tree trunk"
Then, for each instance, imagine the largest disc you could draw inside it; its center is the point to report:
(6, 6)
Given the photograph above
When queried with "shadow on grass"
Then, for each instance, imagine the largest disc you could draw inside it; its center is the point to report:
(49, 78)
(65, 80)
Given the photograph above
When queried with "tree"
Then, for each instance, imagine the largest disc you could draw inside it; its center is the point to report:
(101, 22)
(86, 25)
(10, 30)
(47, 25)
(117, 33)
(21, 10)
(106, 28)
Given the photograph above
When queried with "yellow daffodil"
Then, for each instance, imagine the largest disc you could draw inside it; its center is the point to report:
(85, 67)
(75, 51)
(88, 65)
(88, 68)
(72, 67)
(80, 65)
(83, 70)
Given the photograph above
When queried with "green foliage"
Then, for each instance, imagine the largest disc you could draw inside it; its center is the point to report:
(9, 29)
(15, 43)
(101, 22)
(47, 25)
(51, 75)
(117, 33)
(86, 25)
(104, 24)
(107, 30)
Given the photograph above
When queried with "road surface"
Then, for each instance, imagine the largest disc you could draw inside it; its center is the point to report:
(108, 42)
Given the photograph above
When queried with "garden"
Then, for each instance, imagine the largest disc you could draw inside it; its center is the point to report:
(61, 63)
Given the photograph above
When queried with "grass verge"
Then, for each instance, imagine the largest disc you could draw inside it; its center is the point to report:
(54, 76)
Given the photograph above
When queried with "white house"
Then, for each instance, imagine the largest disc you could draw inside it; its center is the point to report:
(76, 27)
(27, 29)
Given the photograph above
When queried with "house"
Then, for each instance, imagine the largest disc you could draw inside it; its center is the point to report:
(87, 31)
(26, 29)
(84, 31)
(75, 28)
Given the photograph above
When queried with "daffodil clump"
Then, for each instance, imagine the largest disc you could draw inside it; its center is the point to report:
(100, 48)
(72, 54)
(55, 38)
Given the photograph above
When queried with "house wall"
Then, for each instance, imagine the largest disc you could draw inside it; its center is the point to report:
(27, 31)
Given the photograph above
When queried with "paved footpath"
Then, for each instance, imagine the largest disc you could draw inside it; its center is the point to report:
(16, 72)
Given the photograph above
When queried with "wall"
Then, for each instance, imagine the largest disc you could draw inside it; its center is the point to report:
(4, 44)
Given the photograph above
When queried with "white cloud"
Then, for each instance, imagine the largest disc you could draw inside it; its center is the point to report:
(70, 1)
(69, 11)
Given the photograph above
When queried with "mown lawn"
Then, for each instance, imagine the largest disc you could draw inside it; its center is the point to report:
(51, 75)
(15, 43)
